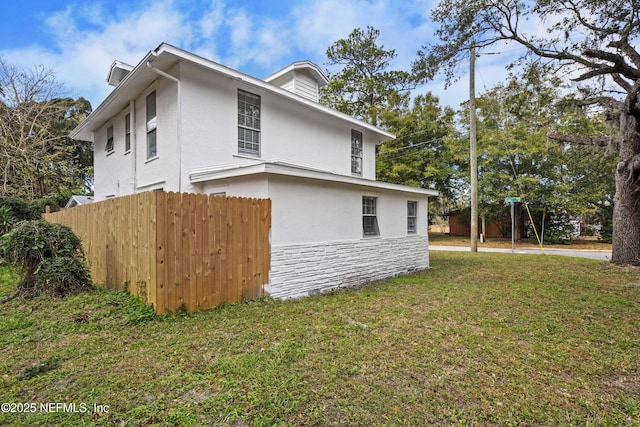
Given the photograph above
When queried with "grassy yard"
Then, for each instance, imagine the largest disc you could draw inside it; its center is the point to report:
(478, 339)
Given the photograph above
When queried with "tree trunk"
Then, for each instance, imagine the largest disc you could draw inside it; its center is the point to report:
(626, 203)
(518, 222)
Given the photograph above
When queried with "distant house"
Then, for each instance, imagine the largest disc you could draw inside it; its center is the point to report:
(179, 122)
(460, 225)
(78, 201)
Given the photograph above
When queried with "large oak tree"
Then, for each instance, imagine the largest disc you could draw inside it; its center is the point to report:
(592, 41)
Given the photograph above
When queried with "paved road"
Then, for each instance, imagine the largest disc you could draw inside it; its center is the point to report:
(581, 253)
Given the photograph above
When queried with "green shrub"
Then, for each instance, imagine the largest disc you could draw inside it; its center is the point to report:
(50, 258)
(559, 228)
(7, 220)
(61, 276)
(28, 210)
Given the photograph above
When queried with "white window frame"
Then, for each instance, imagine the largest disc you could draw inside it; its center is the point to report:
(109, 147)
(370, 216)
(356, 152)
(249, 123)
(127, 133)
(152, 125)
(412, 217)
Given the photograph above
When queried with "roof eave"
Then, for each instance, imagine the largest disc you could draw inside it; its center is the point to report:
(287, 169)
(85, 130)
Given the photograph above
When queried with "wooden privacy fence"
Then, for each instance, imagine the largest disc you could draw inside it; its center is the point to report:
(176, 250)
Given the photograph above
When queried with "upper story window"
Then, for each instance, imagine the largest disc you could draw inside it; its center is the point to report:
(369, 216)
(356, 153)
(248, 123)
(152, 138)
(127, 133)
(412, 217)
(110, 139)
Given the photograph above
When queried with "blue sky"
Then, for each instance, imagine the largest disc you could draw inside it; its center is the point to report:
(79, 40)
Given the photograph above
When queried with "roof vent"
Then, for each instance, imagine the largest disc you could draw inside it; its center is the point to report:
(118, 72)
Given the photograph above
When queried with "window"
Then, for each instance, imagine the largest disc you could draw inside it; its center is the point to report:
(248, 123)
(152, 142)
(356, 152)
(109, 139)
(412, 216)
(127, 133)
(369, 218)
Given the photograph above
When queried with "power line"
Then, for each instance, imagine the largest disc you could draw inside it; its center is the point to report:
(391, 150)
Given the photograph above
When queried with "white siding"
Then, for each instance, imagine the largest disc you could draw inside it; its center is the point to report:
(307, 210)
(247, 186)
(306, 86)
(300, 83)
(285, 82)
(206, 135)
(119, 173)
(290, 132)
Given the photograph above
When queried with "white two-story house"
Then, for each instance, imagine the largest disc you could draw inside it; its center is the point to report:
(182, 123)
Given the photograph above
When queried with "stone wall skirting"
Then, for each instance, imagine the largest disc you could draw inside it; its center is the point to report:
(305, 269)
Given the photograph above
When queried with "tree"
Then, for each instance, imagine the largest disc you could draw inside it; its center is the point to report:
(517, 159)
(590, 40)
(421, 155)
(37, 158)
(363, 86)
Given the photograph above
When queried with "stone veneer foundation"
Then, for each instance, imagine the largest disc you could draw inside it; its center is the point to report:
(300, 270)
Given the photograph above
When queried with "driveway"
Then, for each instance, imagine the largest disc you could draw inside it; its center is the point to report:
(580, 253)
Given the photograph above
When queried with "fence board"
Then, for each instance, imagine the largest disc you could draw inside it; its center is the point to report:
(201, 230)
(234, 243)
(223, 262)
(174, 296)
(188, 243)
(174, 249)
(156, 293)
(172, 233)
(211, 275)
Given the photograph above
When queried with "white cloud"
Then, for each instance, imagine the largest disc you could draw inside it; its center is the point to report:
(212, 20)
(85, 40)
(319, 23)
(87, 37)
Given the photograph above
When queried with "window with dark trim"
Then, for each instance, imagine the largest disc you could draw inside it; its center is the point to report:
(369, 216)
(248, 123)
(110, 139)
(127, 133)
(356, 152)
(412, 217)
(152, 137)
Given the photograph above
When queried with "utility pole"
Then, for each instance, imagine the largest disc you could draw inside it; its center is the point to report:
(473, 149)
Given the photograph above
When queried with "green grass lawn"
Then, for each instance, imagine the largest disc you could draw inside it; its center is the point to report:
(478, 339)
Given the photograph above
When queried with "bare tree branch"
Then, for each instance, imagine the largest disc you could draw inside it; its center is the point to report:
(620, 66)
(605, 101)
(598, 141)
(624, 47)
